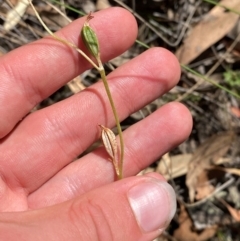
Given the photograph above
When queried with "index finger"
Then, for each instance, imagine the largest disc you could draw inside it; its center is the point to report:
(33, 72)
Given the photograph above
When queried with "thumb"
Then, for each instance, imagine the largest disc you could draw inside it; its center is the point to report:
(136, 208)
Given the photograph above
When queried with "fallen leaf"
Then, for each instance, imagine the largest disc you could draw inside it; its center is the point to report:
(174, 166)
(214, 26)
(203, 188)
(234, 212)
(205, 156)
(177, 165)
(185, 232)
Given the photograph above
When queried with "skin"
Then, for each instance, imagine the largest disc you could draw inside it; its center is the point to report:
(43, 194)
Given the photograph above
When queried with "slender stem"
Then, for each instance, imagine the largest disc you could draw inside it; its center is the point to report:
(100, 68)
(103, 76)
(62, 40)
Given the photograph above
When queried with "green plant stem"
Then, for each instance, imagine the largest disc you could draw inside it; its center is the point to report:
(104, 79)
(68, 7)
(210, 81)
(142, 44)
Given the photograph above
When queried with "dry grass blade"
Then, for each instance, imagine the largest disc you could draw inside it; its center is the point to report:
(14, 16)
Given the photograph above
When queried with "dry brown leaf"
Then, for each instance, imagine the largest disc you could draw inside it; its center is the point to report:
(14, 16)
(234, 212)
(185, 231)
(174, 166)
(216, 24)
(206, 155)
(177, 166)
(204, 187)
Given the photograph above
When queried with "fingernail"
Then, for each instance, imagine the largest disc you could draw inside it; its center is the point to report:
(154, 204)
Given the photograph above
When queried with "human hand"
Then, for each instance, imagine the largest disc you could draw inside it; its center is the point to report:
(46, 196)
